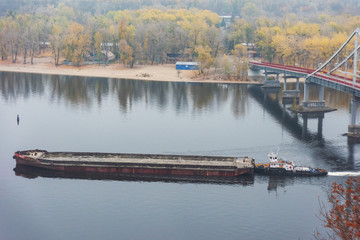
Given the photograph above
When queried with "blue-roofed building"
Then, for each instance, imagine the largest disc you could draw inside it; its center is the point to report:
(187, 66)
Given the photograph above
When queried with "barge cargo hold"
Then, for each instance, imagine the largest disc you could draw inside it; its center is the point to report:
(125, 163)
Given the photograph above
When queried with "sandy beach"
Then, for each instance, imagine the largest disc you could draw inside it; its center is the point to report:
(164, 72)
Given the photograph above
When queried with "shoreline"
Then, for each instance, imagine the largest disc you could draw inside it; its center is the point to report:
(164, 73)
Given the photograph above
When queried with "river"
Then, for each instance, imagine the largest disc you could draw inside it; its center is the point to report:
(65, 113)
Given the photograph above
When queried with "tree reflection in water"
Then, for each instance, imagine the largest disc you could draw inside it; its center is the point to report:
(84, 92)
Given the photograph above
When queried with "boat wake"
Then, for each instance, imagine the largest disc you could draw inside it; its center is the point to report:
(341, 174)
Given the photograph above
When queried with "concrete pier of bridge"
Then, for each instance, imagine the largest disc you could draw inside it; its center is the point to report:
(271, 83)
(353, 128)
(319, 117)
(312, 107)
(291, 96)
(313, 104)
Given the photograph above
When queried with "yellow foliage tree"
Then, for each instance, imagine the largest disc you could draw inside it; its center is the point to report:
(77, 41)
(240, 61)
(204, 59)
(98, 40)
(226, 67)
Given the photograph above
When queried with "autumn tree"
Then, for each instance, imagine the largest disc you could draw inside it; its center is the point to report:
(57, 41)
(98, 40)
(240, 61)
(343, 218)
(127, 44)
(212, 40)
(250, 11)
(264, 42)
(197, 24)
(104, 37)
(24, 33)
(179, 41)
(76, 43)
(236, 34)
(4, 39)
(31, 30)
(126, 53)
(13, 36)
(153, 43)
(226, 67)
(204, 59)
(110, 41)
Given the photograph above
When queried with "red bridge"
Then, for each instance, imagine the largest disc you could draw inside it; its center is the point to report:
(322, 77)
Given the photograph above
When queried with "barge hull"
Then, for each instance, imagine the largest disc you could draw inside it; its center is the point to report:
(133, 167)
(35, 172)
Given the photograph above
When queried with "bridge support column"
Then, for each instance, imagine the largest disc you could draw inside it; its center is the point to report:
(354, 129)
(266, 78)
(290, 96)
(354, 105)
(305, 126)
(297, 84)
(313, 108)
(313, 104)
(321, 93)
(320, 127)
(285, 82)
(306, 91)
(306, 117)
(271, 83)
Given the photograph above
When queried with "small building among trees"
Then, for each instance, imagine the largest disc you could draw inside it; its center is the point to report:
(105, 57)
(93, 58)
(175, 57)
(187, 66)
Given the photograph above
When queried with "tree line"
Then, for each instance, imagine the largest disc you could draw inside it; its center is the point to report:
(307, 9)
(147, 36)
(133, 36)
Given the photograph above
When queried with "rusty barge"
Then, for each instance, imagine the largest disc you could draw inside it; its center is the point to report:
(125, 163)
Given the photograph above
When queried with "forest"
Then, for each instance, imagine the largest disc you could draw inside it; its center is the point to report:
(148, 32)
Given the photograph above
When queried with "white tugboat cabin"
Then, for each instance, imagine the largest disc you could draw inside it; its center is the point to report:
(276, 163)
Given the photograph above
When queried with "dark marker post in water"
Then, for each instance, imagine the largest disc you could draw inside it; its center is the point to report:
(18, 119)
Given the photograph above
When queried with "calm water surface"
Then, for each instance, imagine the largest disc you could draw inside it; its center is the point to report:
(108, 115)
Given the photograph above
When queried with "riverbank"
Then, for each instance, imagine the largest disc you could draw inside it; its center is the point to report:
(164, 72)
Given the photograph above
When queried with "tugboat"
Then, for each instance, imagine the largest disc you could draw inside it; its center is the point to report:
(280, 167)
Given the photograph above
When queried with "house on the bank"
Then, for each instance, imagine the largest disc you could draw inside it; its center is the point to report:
(92, 58)
(225, 21)
(251, 50)
(175, 57)
(105, 55)
(187, 66)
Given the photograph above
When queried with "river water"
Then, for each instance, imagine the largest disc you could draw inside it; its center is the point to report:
(64, 113)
